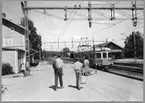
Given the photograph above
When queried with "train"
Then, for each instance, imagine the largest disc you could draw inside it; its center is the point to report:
(100, 58)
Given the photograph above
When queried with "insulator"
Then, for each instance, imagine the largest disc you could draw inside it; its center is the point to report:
(134, 14)
(90, 24)
(75, 6)
(79, 6)
(65, 13)
(112, 12)
(135, 22)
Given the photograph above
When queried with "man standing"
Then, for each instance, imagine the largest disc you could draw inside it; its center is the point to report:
(59, 64)
(23, 69)
(54, 65)
(78, 66)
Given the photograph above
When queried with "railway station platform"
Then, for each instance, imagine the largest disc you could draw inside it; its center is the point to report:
(102, 86)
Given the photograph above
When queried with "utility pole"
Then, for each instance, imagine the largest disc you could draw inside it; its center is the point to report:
(72, 43)
(65, 43)
(94, 55)
(134, 47)
(58, 41)
(89, 14)
(27, 49)
(134, 13)
(93, 45)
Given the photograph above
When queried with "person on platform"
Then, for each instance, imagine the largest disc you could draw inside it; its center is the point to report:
(23, 68)
(58, 71)
(54, 65)
(77, 68)
(85, 70)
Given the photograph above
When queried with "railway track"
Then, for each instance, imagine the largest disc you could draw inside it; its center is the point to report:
(127, 71)
(127, 68)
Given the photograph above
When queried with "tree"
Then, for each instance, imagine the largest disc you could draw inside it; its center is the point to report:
(134, 43)
(34, 38)
(66, 51)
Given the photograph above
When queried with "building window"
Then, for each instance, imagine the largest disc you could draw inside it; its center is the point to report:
(7, 41)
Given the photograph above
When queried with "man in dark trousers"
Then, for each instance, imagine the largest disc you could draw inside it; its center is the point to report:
(57, 66)
(77, 68)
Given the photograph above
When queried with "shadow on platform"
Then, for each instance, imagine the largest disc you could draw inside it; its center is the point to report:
(72, 86)
(52, 87)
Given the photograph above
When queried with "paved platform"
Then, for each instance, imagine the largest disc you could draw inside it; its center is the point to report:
(99, 87)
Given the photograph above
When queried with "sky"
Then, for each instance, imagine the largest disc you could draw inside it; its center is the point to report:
(51, 28)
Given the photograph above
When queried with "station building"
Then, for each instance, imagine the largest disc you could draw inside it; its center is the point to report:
(116, 50)
(13, 43)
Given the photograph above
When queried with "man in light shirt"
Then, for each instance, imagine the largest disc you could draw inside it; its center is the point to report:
(59, 63)
(78, 66)
(54, 65)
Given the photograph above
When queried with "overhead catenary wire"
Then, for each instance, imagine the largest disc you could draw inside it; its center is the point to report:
(50, 15)
(100, 13)
(67, 21)
(112, 25)
(73, 41)
(66, 26)
(81, 15)
(123, 14)
(115, 24)
(138, 27)
(113, 3)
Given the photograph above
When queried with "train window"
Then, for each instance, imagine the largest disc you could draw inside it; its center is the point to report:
(91, 56)
(104, 55)
(109, 55)
(87, 55)
(98, 55)
(83, 55)
(80, 55)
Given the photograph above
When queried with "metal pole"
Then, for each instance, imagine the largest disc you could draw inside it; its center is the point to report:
(134, 47)
(93, 43)
(27, 50)
(89, 14)
(72, 43)
(58, 41)
(84, 8)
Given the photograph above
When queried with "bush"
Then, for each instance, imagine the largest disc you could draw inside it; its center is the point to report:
(3, 88)
(7, 69)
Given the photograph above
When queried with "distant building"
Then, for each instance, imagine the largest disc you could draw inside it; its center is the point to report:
(116, 50)
(13, 43)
